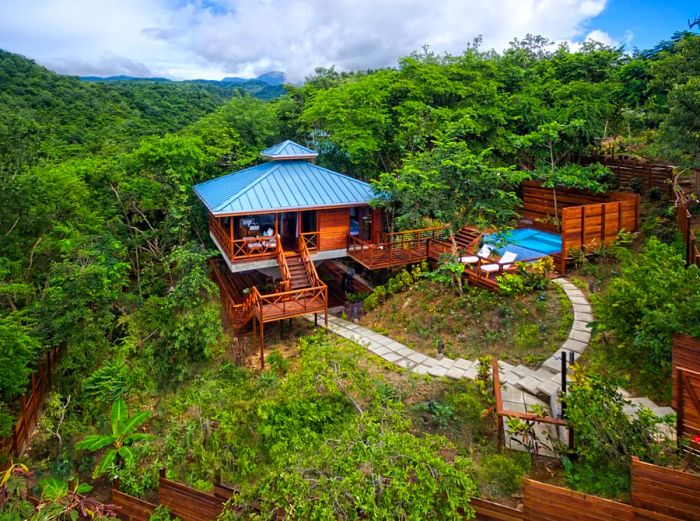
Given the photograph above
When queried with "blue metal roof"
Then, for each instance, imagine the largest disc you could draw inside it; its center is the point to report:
(281, 185)
(288, 150)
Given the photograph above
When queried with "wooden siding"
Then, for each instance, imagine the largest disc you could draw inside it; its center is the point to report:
(667, 491)
(333, 226)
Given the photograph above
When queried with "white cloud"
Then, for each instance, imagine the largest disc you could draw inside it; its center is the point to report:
(214, 38)
(602, 37)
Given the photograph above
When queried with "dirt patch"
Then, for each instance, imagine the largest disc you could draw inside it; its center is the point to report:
(523, 329)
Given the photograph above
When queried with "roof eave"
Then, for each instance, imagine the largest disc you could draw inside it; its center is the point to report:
(292, 208)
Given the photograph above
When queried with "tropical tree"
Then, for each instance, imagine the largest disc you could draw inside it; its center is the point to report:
(121, 439)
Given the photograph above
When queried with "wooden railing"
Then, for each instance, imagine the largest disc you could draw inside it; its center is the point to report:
(248, 248)
(311, 240)
(289, 304)
(435, 232)
(309, 267)
(14, 444)
(285, 282)
(397, 248)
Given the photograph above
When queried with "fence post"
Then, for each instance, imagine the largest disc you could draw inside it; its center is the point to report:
(679, 407)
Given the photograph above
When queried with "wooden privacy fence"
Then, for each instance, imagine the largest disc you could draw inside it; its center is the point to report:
(14, 444)
(686, 389)
(538, 202)
(637, 173)
(185, 502)
(593, 225)
(683, 219)
(586, 220)
(658, 494)
(666, 491)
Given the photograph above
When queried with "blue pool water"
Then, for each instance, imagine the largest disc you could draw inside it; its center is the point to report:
(528, 243)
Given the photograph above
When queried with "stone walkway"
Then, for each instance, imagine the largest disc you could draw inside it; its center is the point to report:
(522, 386)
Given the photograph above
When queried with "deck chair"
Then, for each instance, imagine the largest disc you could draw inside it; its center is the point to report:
(483, 254)
(504, 263)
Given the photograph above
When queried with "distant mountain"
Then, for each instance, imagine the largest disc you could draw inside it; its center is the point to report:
(72, 116)
(121, 78)
(266, 86)
(272, 78)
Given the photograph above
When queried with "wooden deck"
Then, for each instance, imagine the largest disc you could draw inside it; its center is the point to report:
(252, 298)
(396, 249)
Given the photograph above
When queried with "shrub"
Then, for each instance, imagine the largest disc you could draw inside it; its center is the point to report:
(606, 437)
(278, 362)
(654, 297)
(500, 475)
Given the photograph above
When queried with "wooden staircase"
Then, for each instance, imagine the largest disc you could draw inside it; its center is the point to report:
(466, 238)
(299, 278)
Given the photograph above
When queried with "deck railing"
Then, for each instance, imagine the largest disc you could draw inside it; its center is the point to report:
(311, 240)
(285, 282)
(248, 248)
(397, 249)
(309, 267)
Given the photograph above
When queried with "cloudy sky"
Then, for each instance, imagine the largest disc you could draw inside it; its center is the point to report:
(184, 39)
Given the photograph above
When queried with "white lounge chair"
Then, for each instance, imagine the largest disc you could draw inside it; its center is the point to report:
(483, 254)
(504, 263)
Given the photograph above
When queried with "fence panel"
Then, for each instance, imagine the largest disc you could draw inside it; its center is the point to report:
(22, 431)
(544, 501)
(131, 508)
(189, 504)
(666, 491)
(686, 354)
(643, 174)
(490, 511)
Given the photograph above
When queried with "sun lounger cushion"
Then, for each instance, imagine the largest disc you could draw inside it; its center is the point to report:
(484, 253)
(505, 263)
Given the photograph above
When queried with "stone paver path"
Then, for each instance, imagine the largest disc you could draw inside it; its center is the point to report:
(522, 387)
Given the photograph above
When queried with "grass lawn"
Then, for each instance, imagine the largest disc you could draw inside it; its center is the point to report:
(523, 329)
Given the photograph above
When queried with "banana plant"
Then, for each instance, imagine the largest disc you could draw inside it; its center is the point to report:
(121, 439)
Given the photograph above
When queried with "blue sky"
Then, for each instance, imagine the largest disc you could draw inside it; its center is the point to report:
(649, 21)
(184, 39)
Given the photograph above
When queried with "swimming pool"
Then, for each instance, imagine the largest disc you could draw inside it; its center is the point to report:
(528, 243)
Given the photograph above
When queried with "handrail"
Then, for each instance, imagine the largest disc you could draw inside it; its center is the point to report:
(309, 267)
(310, 239)
(395, 252)
(286, 281)
(418, 233)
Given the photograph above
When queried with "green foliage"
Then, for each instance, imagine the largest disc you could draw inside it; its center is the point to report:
(400, 282)
(162, 513)
(124, 434)
(449, 272)
(654, 297)
(109, 383)
(606, 437)
(369, 471)
(500, 475)
(449, 183)
(527, 277)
